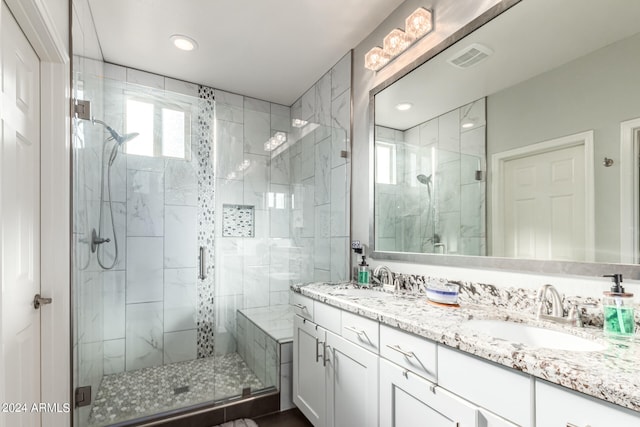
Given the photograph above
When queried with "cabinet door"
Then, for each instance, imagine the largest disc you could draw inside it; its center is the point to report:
(407, 400)
(308, 370)
(352, 384)
(558, 407)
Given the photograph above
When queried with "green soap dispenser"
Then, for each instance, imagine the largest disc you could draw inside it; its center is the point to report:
(363, 272)
(619, 320)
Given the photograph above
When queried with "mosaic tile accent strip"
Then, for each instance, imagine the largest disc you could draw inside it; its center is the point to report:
(238, 221)
(136, 394)
(206, 223)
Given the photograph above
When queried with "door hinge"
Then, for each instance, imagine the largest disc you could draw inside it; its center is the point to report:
(82, 109)
(82, 396)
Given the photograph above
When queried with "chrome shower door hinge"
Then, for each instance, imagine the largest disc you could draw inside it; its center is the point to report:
(82, 396)
(82, 109)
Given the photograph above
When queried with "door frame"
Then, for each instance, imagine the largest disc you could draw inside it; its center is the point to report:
(497, 186)
(35, 19)
(629, 198)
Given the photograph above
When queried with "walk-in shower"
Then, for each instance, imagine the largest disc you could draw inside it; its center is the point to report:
(152, 334)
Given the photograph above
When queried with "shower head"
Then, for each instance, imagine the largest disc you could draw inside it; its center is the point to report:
(119, 139)
(426, 180)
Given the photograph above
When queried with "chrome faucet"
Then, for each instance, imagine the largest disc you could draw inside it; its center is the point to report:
(556, 301)
(388, 274)
(557, 310)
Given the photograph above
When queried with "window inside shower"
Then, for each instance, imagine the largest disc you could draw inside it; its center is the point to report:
(164, 127)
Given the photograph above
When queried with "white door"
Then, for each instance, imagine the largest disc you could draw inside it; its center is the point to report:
(19, 223)
(544, 205)
(352, 384)
(309, 363)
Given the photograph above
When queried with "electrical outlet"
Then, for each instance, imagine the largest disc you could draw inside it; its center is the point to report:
(355, 244)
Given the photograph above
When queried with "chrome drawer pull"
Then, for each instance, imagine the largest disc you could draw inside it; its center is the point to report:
(301, 307)
(324, 354)
(397, 348)
(318, 354)
(575, 425)
(355, 330)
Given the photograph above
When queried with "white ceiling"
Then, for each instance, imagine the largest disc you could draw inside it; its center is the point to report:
(268, 49)
(529, 39)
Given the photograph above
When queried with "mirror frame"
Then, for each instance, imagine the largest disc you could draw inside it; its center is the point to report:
(575, 268)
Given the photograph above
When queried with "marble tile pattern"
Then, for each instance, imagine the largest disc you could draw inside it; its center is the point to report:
(412, 217)
(319, 172)
(148, 391)
(612, 374)
(238, 221)
(206, 221)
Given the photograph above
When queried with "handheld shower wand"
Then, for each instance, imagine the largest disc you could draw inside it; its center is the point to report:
(96, 238)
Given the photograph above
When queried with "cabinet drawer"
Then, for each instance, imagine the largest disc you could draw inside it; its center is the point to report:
(326, 316)
(409, 400)
(302, 306)
(361, 331)
(558, 406)
(502, 391)
(409, 351)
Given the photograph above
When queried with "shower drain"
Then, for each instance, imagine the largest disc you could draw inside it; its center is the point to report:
(180, 390)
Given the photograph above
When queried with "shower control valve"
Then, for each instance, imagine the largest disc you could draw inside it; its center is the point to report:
(97, 240)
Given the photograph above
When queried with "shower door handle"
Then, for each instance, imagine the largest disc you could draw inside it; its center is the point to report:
(202, 273)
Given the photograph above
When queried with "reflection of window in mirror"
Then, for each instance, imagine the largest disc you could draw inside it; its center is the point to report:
(165, 130)
(385, 163)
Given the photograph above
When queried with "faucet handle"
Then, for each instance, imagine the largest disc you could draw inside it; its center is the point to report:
(574, 315)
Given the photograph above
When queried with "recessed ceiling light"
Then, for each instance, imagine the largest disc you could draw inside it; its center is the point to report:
(404, 106)
(467, 125)
(183, 42)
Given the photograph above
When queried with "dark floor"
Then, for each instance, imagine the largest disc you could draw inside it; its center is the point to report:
(290, 418)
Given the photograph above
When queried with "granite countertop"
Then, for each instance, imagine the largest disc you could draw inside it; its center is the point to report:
(612, 374)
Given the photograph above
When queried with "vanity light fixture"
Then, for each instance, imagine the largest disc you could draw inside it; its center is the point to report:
(183, 42)
(417, 25)
(404, 106)
(298, 123)
(275, 141)
(467, 125)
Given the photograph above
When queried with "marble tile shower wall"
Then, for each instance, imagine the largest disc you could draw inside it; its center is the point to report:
(320, 170)
(252, 266)
(149, 297)
(452, 214)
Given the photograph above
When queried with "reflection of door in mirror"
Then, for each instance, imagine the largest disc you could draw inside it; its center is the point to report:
(430, 187)
(541, 203)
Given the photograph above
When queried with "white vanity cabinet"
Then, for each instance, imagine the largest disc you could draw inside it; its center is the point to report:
(309, 363)
(558, 407)
(335, 381)
(494, 388)
(352, 384)
(407, 400)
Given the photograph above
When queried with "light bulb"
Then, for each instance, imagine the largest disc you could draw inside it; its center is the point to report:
(183, 42)
(376, 58)
(419, 23)
(396, 42)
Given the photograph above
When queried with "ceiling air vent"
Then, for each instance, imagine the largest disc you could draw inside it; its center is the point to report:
(470, 56)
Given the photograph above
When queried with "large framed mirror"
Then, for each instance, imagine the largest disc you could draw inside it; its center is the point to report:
(516, 146)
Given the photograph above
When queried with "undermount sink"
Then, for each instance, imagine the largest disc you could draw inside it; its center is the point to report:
(532, 336)
(365, 293)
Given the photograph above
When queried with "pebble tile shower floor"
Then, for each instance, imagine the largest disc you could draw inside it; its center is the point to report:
(148, 391)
